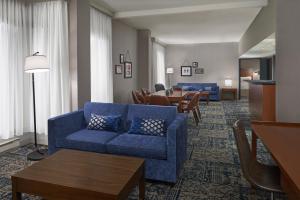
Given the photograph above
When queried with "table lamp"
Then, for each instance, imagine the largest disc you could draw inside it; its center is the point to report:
(36, 64)
(228, 82)
(170, 71)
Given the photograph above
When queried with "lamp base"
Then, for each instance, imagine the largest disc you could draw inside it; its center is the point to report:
(37, 155)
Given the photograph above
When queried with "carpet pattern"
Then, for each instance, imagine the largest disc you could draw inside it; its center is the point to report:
(212, 171)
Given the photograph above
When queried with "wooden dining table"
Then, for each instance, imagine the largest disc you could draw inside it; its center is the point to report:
(283, 142)
(175, 97)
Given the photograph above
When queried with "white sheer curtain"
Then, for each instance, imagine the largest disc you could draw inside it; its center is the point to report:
(101, 57)
(159, 74)
(49, 36)
(12, 54)
(24, 29)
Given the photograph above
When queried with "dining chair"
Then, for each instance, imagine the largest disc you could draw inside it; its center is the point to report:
(260, 176)
(135, 98)
(159, 87)
(145, 92)
(176, 88)
(159, 100)
(193, 106)
(140, 97)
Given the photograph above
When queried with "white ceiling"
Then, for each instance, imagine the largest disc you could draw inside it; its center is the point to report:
(188, 21)
(265, 48)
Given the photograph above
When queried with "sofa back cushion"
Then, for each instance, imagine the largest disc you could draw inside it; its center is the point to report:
(167, 113)
(198, 86)
(106, 109)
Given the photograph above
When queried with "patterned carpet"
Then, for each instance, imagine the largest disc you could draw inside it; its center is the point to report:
(212, 171)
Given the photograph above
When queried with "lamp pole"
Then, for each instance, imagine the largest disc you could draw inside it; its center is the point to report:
(33, 64)
(34, 114)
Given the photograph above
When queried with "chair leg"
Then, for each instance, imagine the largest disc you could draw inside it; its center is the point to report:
(272, 195)
(199, 113)
(195, 117)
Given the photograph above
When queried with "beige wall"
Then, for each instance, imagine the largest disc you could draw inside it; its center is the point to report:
(263, 26)
(288, 61)
(219, 61)
(124, 38)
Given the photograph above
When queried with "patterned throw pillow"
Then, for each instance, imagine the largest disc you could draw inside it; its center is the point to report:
(107, 123)
(154, 127)
(207, 88)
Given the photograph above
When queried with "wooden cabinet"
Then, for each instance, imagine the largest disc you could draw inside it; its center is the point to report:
(262, 101)
(232, 92)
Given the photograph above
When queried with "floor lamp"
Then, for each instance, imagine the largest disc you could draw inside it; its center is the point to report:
(36, 64)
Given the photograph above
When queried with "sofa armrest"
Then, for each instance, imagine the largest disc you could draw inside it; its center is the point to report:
(61, 126)
(177, 140)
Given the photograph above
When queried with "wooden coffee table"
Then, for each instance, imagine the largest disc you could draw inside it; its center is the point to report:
(79, 175)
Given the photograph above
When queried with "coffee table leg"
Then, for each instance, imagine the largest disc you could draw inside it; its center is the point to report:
(15, 195)
(142, 187)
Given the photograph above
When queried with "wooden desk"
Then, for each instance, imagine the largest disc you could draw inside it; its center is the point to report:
(283, 142)
(79, 175)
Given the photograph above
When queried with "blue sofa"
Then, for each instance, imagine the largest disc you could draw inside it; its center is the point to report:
(213, 89)
(164, 156)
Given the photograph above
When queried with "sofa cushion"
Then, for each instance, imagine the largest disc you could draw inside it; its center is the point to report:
(208, 88)
(188, 88)
(87, 140)
(105, 109)
(213, 92)
(108, 123)
(151, 147)
(167, 113)
(147, 126)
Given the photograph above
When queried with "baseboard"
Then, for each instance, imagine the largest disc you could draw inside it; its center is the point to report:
(9, 144)
(25, 139)
(28, 138)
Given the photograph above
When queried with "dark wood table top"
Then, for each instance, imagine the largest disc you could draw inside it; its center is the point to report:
(283, 142)
(107, 174)
(175, 94)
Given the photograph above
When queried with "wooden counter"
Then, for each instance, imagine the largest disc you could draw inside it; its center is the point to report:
(262, 100)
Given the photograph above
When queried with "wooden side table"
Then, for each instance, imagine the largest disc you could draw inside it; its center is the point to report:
(232, 91)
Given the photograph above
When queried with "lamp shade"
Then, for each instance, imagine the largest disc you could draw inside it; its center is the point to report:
(170, 70)
(228, 82)
(36, 63)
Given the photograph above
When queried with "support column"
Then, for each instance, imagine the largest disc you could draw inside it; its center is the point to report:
(79, 48)
(287, 70)
(144, 59)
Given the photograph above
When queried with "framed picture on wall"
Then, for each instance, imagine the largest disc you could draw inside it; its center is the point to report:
(195, 64)
(127, 69)
(118, 69)
(122, 59)
(199, 71)
(186, 70)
